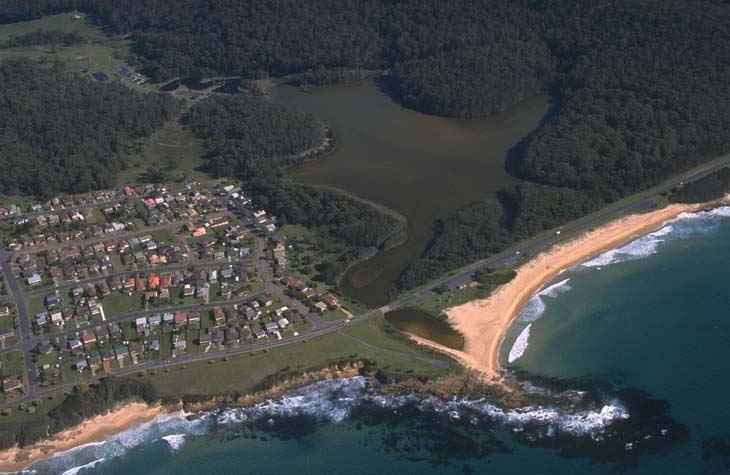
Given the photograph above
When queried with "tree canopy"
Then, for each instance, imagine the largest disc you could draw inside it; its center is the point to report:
(63, 133)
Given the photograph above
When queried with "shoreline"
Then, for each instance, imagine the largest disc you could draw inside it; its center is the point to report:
(96, 429)
(100, 428)
(484, 322)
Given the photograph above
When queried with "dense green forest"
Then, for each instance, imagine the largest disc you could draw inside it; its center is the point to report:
(61, 133)
(84, 402)
(246, 133)
(642, 86)
(250, 138)
(321, 76)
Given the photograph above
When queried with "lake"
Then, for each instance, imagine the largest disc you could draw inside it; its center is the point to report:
(422, 166)
(426, 326)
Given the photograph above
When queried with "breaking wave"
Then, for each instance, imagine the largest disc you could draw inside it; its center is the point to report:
(169, 427)
(175, 441)
(84, 467)
(335, 400)
(520, 345)
(533, 310)
(536, 305)
(561, 415)
(638, 249)
(684, 225)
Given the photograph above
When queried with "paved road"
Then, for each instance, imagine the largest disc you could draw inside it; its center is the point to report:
(322, 327)
(25, 344)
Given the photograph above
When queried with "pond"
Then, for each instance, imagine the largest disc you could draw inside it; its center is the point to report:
(422, 166)
(426, 326)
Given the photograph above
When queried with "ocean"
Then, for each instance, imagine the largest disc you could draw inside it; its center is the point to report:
(632, 348)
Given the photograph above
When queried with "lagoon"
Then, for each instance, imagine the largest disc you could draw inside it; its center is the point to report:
(424, 167)
(426, 326)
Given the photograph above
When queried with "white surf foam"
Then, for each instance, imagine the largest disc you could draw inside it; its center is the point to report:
(333, 401)
(175, 441)
(165, 425)
(520, 345)
(76, 470)
(533, 310)
(536, 306)
(638, 249)
(684, 225)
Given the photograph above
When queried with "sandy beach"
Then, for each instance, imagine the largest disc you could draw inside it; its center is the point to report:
(95, 429)
(484, 323)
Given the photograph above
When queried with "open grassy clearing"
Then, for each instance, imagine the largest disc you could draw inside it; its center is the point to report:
(244, 372)
(64, 22)
(173, 150)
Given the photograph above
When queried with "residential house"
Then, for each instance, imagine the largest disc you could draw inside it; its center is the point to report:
(219, 316)
(88, 339)
(331, 301)
(12, 384)
(181, 319)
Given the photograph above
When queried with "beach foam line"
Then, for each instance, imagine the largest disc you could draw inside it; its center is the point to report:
(536, 306)
(170, 426)
(520, 345)
(175, 441)
(683, 225)
(75, 470)
(640, 248)
(333, 401)
(533, 310)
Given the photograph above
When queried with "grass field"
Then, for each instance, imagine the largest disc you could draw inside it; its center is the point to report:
(17, 417)
(99, 53)
(63, 22)
(12, 366)
(242, 373)
(173, 147)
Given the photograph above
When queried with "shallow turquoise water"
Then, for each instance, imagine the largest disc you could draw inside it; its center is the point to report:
(653, 316)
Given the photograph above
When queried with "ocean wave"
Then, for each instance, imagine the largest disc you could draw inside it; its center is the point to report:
(334, 401)
(168, 426)
(520, 345)
(533, 310)
(535, 307)
(175, 441)
(638, 249)
(326, 401)
(76, 470)
(683, 226)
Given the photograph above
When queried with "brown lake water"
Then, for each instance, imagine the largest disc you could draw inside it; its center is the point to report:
(422, 166)
(426, 326)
